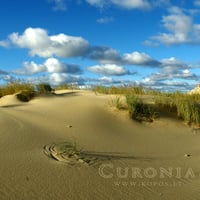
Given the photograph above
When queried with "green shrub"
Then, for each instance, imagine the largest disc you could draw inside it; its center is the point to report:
(43, 88)
(25, 95)
(138, 110)
(165, 102)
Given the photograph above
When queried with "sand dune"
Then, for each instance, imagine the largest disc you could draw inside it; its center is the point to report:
(73, 146)
(196, 90)
(9, 101)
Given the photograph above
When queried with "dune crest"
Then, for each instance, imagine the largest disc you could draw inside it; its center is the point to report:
(40, 159)
(10, 100)
(196, 90)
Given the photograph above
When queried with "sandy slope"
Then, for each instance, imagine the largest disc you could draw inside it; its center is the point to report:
(117, 145)
(196, 90)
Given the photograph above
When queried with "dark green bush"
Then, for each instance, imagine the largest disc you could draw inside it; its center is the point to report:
(44, 88)
(25, 95)
(138, 110)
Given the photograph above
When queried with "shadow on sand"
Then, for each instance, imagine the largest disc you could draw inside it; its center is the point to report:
(68, 153)
(72, 93)
(48, 95)
(13, 105)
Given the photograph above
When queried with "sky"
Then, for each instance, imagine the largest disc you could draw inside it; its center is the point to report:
(153, 43)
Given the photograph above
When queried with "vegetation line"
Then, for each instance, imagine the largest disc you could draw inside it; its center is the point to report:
(25, 91)
(184, 106)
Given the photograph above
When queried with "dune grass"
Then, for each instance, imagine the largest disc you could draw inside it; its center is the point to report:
(184, 106)
(14, 87)
(138, 110)
(24, 91)
(117, 102)
(119, 90)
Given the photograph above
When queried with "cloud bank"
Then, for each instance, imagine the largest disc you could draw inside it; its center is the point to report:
(109, 62)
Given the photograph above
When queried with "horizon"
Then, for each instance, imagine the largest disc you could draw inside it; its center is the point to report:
(98, 42)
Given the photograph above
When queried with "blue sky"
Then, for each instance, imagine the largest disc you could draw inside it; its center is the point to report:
(154, 43)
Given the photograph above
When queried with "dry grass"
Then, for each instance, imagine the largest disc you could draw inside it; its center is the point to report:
(186, 107)
(119, 90)
(14, 87)
(138, 110)
(117, 102)
(25, 91)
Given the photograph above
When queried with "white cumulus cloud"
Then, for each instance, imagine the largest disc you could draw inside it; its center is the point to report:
(127, 4)
(171, 70)
(104, 55)
(137, 58)
(173, 64)
(109, 70)
(62, 78)
(31, 68)
(180, 29)
(131, 4)
(106, 79)
(40, 43)
(51, 65)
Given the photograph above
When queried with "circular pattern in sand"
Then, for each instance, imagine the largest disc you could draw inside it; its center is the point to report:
(68, 153)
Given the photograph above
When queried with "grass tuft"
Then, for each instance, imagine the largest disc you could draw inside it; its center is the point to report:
(138, 110)
(185, 106)
(117, 102)
(44, 88)
(14, 87)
